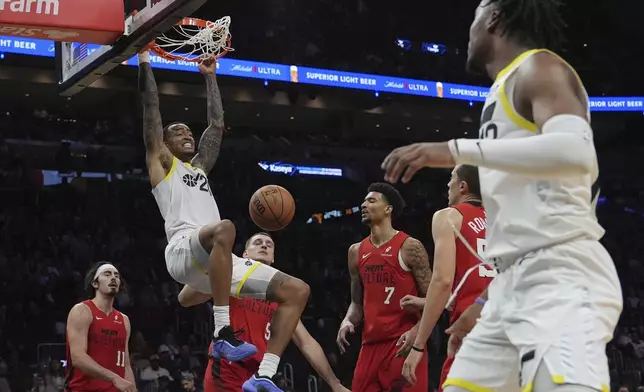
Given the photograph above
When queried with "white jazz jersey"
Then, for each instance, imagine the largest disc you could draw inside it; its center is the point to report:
(525, 214)
(185, 200)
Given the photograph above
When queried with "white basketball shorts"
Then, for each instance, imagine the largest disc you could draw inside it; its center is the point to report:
(187, 263)
(559, 306)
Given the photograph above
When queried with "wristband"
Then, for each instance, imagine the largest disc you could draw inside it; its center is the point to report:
(420, 350)
(480, 301)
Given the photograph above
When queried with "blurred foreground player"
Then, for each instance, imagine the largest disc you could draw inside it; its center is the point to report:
(252, 318)
(199, 250)
(384, 267)
(557, 298)
(458, 276)
(98, 357)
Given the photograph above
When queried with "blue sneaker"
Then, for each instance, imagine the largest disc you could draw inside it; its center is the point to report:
(260, 384)
(228, 347)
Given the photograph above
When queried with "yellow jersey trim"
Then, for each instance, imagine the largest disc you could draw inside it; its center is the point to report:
(174, 166)
(194, 167)
(514, 62)
(198, 267)
(514, 116)
(245, 278)
(509, 110)
(467, 385)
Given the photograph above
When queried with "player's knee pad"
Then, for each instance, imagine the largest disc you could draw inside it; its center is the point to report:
(543, 383)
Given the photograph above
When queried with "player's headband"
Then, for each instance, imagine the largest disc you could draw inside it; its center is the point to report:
(104, 268)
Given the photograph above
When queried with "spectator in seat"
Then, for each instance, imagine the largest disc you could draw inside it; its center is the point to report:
(155, 371)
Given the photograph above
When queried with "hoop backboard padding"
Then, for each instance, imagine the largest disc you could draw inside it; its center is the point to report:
(88, 21)
(194, 40)
(79, 67)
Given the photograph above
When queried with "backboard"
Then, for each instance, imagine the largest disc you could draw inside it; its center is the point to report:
(80, 64)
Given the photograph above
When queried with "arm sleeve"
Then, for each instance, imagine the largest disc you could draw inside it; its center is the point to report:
(564, 148)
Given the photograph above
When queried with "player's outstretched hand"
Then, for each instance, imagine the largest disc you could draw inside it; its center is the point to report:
(208, 66)
(124, 385)
(406, 341)
(411, 303)
(406, 161)
(343, 343)
(410, 365)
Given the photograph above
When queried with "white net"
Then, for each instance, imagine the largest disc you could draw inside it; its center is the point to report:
(198, 41)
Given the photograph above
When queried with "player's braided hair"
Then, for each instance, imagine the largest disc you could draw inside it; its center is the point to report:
(392, 196)
(535, 23)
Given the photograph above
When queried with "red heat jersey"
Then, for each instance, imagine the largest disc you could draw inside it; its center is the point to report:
(253, 318)
(106, 344)
(386, 280)
(473, 230)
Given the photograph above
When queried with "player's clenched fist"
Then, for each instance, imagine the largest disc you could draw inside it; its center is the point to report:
(208, 66)
(343, 343)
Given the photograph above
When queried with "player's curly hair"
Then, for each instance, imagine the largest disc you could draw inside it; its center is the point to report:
(536, 23)
(392, 196)
(470, 175)
(89, 280)
(255, 235)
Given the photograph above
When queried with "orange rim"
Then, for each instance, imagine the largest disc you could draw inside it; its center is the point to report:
(159, 51)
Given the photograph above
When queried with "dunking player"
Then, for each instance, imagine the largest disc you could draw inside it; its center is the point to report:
(458, 276)
(98, 358)
(556, 301)
(384, 267)
(253, 319)
(199, 251)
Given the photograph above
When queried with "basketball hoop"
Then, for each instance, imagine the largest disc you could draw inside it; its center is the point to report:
(194, 40)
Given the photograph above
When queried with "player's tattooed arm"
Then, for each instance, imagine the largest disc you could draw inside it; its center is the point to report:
(152, 125)
(415, 257)
(210, 142)
(355, 312)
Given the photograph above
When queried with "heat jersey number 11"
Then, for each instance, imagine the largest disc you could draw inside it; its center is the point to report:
(120, 358)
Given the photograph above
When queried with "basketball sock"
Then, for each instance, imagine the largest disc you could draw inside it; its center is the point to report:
(222, 317)
(269, 365)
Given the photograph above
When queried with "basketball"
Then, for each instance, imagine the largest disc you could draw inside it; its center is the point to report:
(272, 207)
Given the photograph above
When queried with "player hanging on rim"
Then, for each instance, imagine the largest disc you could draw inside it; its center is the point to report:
(384, 267)
(458, 276)
(98, 357)
(557, 298)
(199, 251)
(253, 318)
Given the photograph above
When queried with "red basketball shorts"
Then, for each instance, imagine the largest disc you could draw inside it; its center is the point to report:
(378, 370)
(224, 376)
